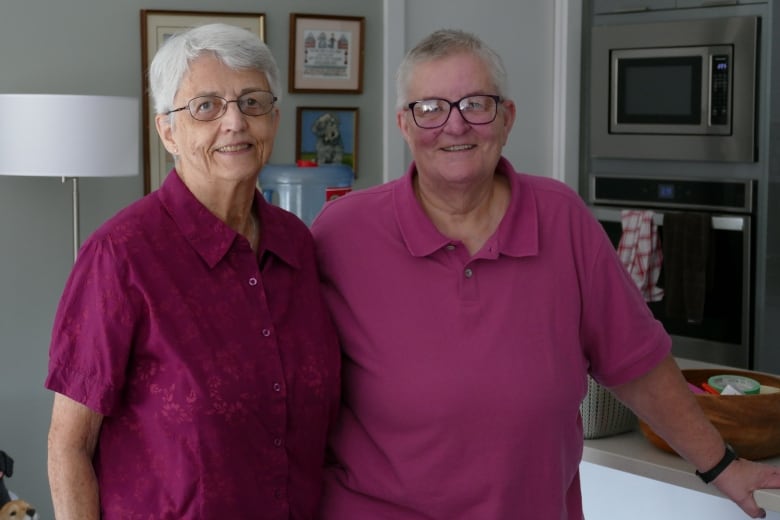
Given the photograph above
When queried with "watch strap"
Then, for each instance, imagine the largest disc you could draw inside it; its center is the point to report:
(728, 457)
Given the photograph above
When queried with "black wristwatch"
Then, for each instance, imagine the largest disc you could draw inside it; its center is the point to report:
(728, 457)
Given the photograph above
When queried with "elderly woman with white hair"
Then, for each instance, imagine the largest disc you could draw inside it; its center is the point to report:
(194, 364)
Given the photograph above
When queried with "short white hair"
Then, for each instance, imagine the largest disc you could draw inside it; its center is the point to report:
(442, 44)
(234, 46)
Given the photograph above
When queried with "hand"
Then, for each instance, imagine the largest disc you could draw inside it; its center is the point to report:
(741, 478)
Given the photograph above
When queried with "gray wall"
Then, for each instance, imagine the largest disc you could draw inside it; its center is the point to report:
(93, 47)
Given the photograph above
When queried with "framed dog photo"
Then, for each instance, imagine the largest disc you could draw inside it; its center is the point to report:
(327, 135)
(156, 27)
(326, 54)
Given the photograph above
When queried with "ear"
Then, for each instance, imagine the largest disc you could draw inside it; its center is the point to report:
(165, 130)
(402, 120)
(509, 111)
(276, 115)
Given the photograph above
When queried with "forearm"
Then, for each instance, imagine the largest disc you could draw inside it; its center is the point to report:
(73, 436)
(662, 399)
(74, 488)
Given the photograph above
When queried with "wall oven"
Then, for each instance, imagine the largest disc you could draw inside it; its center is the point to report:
(675, 90)
(724, 333)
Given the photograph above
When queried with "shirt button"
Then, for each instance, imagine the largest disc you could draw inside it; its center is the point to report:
(277, 387)
(469, 273)
(277, 442)
(253, 281)
(450, 247)
(266, 332)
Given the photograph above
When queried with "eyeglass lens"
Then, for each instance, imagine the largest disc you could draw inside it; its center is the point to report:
(208, 108)
(433, 113)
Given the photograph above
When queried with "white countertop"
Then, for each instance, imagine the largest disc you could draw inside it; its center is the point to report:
(632, 453)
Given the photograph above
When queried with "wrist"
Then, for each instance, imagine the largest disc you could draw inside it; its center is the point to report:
(728, 457)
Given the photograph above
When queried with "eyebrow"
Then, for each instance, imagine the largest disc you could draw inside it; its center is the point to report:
(243, 91)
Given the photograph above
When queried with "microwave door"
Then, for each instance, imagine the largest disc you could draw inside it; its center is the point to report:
(670, 91)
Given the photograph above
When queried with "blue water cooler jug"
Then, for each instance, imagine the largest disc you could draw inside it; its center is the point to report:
(304, 190)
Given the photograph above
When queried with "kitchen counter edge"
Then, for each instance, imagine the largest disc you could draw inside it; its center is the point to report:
(632, 453)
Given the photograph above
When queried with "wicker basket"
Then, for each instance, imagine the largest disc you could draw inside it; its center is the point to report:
(603, 415)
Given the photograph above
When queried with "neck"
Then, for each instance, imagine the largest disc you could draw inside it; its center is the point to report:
(469, 216)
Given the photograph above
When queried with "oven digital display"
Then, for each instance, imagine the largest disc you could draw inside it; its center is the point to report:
(666, 191)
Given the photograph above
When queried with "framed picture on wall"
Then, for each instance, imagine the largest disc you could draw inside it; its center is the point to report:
(327, 135)
(156, 28)
(326, 54)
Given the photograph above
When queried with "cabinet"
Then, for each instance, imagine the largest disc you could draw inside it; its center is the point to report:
(715, 3)
(619, 6)
(625, 6)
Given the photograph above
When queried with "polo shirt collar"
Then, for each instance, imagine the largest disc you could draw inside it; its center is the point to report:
(209, 236)
(517, 234)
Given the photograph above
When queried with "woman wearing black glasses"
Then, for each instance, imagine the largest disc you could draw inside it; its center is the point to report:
(479, 303)
(195, 367)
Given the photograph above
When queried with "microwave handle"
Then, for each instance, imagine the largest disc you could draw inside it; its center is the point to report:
(713, 3)
(719, 222)
(635, 9)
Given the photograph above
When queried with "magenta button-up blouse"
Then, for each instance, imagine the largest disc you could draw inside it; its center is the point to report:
(217, 374)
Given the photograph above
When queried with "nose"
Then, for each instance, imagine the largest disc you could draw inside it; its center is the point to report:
(456, 122)
(233, 117)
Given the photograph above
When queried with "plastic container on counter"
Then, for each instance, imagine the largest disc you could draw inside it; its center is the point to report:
(304, 190)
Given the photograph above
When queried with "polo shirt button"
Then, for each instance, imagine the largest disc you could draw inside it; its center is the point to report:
(277, 442)
(266, 332)
(253, 281)
(277, 387)
(469, 273)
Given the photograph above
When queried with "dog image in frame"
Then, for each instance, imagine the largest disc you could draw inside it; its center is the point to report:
(327, 135)
(330, 146)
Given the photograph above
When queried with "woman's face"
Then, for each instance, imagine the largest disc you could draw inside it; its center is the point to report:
(457, 151)
(231, 148)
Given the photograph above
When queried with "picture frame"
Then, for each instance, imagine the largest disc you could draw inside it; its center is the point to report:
(326, 54)
(156, 27)
(317, 141)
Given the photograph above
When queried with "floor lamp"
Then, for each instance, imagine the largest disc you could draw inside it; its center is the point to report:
(69, 136)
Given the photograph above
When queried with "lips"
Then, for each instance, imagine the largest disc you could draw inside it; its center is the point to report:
(458, 147)
(233, 148)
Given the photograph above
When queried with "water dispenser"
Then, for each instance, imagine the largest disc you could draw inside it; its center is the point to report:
(303, 190)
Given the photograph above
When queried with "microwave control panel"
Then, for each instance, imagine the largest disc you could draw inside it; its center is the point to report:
(719, 90)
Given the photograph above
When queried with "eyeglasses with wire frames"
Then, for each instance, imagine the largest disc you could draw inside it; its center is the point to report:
(209, 108)
(435, 112)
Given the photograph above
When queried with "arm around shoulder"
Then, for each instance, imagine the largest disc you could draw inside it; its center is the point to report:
(73, 436)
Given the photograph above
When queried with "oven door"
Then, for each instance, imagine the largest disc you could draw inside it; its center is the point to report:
(724, 335)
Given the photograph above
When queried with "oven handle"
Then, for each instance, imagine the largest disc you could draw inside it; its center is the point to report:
(719, 222)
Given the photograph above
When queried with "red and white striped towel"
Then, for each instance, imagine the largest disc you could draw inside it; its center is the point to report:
(640, 251)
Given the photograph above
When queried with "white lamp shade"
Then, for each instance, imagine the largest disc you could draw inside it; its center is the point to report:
(53, 135)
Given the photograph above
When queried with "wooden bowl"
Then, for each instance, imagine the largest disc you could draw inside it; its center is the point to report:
(750, 423)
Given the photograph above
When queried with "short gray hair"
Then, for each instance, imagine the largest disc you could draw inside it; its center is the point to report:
(442, 44)
(235, 47)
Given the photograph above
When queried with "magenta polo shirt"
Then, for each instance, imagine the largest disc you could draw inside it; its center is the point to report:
(463, 375)
(218, 375)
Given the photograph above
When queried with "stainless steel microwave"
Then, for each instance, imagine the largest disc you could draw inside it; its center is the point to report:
(682, 90)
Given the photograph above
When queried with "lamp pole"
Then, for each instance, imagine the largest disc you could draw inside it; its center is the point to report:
(75, 181)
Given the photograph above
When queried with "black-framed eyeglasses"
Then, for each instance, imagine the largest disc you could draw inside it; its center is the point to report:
(209, 108)
(435, 112)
